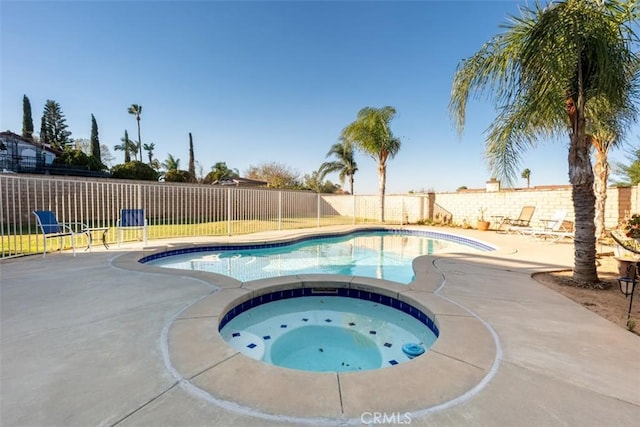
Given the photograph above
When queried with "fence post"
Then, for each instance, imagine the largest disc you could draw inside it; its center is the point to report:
(318, 208)
(279, 210)
(353, 196)
(401, 210)
(228, 211)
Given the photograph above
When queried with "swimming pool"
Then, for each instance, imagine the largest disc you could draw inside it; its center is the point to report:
(328, 330)
(382, 254)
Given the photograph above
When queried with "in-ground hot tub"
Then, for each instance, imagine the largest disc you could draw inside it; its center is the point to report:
(460, 360)
(328, 329)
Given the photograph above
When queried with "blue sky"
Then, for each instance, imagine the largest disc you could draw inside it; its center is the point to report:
(266, 81)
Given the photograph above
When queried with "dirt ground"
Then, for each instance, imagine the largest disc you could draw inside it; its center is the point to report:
(607, 302)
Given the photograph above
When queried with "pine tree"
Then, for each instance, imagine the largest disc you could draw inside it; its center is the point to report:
(54, 126)
(192, 163)
(27, 120)
(95, 139)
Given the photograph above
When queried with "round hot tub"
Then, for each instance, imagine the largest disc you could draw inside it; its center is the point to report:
(328, 329)
(241, 367)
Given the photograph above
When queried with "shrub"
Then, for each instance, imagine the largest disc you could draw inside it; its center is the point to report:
(176, 175)
(80, 159)
(134, 170)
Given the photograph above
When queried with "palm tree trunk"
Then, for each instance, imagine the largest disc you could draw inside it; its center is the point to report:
(581, 178)
(601, 172)
(351, 183)
(382, 181)
(139, 139)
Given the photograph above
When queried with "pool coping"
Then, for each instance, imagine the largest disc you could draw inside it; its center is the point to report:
(460, 361)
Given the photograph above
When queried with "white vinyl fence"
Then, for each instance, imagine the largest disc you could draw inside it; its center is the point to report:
(172, 210)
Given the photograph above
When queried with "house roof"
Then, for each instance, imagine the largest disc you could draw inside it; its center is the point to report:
(8, 135)
(239, 182)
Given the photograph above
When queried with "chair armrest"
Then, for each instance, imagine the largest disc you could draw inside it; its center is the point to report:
(75, 227)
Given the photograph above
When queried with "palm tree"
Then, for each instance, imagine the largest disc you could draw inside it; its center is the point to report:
(546, 72)
(149, 149)
(371, 134)
(344, 164)
(171, 163)
(136, 110)
(221, 171)
(607, 128)
(526, 174)
(602, 141)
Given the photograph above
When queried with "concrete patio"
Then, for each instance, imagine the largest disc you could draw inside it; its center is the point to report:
(86, 341)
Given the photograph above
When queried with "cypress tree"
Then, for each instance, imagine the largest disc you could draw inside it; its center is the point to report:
(192, 163)
(27, 120)
(45, 132)
(95, 139)
(127, 146)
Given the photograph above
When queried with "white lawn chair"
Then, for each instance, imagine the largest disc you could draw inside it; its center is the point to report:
(552, 229)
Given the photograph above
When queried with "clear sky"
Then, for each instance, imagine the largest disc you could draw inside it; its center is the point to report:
(264, 81)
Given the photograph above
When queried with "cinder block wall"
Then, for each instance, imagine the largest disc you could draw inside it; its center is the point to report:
(465, 206)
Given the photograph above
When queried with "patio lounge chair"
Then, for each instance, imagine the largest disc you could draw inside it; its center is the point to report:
(552, 229)
(564, 230)
(132, 219)
(523, 220)
(51, 228)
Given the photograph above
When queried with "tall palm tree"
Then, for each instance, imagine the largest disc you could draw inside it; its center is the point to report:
(602, 141)
(136, 110)
(344, 164)
(607, 130)
(546, 71)
(370, 133)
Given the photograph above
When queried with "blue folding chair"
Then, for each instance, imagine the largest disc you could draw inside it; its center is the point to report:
(51, 228)
(132, 219)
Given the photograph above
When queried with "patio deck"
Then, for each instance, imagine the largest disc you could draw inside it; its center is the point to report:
(84, 342)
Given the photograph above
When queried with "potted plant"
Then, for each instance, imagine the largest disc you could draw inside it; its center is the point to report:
(482, 225)
(630, 227)
(627, 237)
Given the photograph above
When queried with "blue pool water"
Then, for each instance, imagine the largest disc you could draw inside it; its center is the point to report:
(325, 348)
(378, 254)
(326, 334)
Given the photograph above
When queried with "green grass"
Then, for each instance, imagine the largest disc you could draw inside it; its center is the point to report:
(31, 242)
